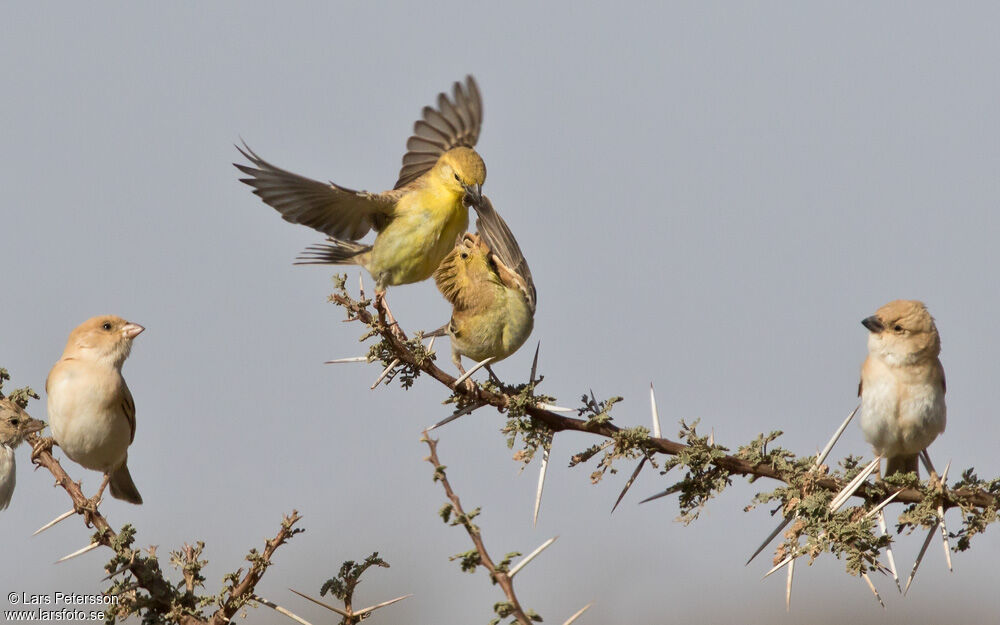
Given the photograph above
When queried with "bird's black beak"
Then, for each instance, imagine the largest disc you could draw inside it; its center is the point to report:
(873, 324)
(473, 194)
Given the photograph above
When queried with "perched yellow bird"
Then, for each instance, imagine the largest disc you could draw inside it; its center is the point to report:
(487, 281)
(902, 384)
(417, 222)
(15, 424)
(91, 410)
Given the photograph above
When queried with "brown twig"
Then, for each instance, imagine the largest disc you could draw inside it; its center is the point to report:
(501, 577)
(395, 338)
(163, 598)
(161, 592)
(243, 592)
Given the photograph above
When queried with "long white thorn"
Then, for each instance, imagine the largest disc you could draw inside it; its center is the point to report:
(784, 523)
(381, 605)
(392, 365)
(788, 586)
(888, 550)
(79, 552)
(662, 493)
(553, 407)
(541, 485)
(534, 363)
(871, 586)
(528, 558)
(656, 414)
(885, 503)
(339, 361)
(361, 285)
(479, 365)
(61, 517)
(778, 566)
(430, 346)
(570, 620)
(280, 610)
(458, 413)
(944, 528)
(325, 605)
(920, 556)
(853, 486)
(629, 483)
(836, 436)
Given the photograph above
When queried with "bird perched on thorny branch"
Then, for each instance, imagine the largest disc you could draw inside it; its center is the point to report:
(91, 410)
(15, 424)
(417, 222)
(487, 281)
(902, 384)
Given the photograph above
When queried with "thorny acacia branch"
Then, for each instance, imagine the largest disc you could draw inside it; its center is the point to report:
(162, 601)
(395, 340)
(454, 513)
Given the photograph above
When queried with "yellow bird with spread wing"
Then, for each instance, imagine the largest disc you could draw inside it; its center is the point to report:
(417, 222)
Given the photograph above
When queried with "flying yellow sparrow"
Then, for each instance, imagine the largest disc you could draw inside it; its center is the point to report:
(489, 285)
(417, 222)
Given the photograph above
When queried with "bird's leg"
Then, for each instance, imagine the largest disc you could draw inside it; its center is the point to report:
(41, 446)
(382, 306)
(932, 477)
(494, 377)
(100, 491)
(89, 508)
(457, 359)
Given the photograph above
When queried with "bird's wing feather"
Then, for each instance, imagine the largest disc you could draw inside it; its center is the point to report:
(512, 266)
(333, 210)
(128, 408)
(454, 123)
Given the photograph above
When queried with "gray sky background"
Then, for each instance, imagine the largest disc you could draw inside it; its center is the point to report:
(711, 198)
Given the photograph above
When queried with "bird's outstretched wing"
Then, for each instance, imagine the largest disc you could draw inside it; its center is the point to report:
(511, 265)
(454, 123)
(333, 210)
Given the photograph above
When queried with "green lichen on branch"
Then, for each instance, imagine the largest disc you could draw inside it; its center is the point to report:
(344, 583)
(975, 520)
(703, 477)
(624, 444)
(20, 396)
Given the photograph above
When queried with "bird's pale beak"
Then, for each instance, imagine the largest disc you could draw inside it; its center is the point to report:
(132, 330)
(873, 324)
(33, 425)
(474, 194)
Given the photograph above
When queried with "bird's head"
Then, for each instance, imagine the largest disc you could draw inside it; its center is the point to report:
(903, 333)
(462, 274)
(463, 171)
(15, 424)
(106, 338)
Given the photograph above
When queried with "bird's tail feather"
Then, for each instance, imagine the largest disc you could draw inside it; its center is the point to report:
(335, 252)
(901, 464)
(122, 486)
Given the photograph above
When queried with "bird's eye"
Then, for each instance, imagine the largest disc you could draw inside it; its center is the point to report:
(898, 329)
(457, 178)
(465, 254)
(14, 421)
(107, 325)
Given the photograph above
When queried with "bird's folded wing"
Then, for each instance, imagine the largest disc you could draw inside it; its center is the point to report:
(454, 123)
(511, 265)
(128, 409)
(331, 209)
